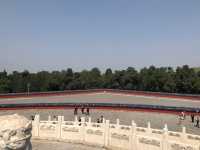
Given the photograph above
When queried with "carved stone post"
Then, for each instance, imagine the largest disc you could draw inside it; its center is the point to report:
(149, 130)
(49, 118)
(133, 136)
(36, 125)
(82, 134)
(117, 122)
(106, 131)
(183, 135)
(165, 138)
(89, 121)
(15, 133)
(59, 125)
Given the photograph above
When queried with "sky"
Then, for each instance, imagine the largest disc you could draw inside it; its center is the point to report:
(82, 34)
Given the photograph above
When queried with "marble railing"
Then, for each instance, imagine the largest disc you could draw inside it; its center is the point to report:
(113, 136)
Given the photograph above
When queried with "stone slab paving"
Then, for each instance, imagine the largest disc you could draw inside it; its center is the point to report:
(104, 98)
(141, 118)
(54, 145)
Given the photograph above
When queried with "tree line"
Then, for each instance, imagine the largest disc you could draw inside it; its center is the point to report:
(157, 79)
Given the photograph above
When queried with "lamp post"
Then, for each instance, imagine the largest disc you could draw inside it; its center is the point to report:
(28, 88)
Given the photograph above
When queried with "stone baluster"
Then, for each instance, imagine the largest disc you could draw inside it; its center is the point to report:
(59, 127)
(165, 138)
(75, 120)
(104, 120)
(63, 118)
(82, 131)
(183, 134)
(89, 121)
(106, 133)
(117, 123)
(149, 130)
(49, 118)
(36, 125)
(133, 136)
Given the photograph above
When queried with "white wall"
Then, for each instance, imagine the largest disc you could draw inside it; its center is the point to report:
(114, 136)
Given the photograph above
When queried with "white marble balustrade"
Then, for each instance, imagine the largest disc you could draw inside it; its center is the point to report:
(114, 136)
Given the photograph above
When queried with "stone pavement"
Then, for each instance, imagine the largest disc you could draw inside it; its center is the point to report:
(54, 145)
(104, 98)
(141, 118)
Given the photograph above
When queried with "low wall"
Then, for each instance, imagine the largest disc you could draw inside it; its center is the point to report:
(113, 136)
(68, 92)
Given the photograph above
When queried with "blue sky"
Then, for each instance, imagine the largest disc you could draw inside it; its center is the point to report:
(82, 34)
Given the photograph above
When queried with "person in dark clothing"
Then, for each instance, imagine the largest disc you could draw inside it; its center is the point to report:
(79, 120)
(32, 117)
(88, 111)
(197, 122)
(192, 118)
(101, 119)
(83, 110)
(75, 111)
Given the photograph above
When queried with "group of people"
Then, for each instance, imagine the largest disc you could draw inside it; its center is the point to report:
(194, 119)
(87, 112)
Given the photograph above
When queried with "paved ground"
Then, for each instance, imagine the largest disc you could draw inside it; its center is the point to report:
(53, 145)
(141, 118)
(105, 98)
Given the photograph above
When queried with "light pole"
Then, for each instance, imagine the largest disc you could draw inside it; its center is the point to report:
(28, 88)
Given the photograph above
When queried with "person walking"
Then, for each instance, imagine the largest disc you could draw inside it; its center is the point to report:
(179, 119)
(183, 115)
(197, 122)
(83, 110)
(88, 111)
(101, 119)
(79, 120)
(192, 118)
(75, 111)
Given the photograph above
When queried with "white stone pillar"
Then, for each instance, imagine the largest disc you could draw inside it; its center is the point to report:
(165, 138)
(36, 126)
(117, 123)
(49, 118)
(149, 130)
(63, 118)
(183, 134)
(133, 136)
(89, 121)
(75, 120)
(106, 133)
(104, 120)
(59, 126)
(82, 130)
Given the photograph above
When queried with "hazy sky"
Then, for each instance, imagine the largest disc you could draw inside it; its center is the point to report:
(81, 34)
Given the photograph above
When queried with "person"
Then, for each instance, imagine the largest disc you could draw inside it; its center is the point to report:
(54, 119)
(82, 110)
(88, 111)
(32, 117)
(79, 120)
(183, 115)
(75, 111)
(192, 118)
(101, 119)
(98, 120)
(179, 119)
(197, 122)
